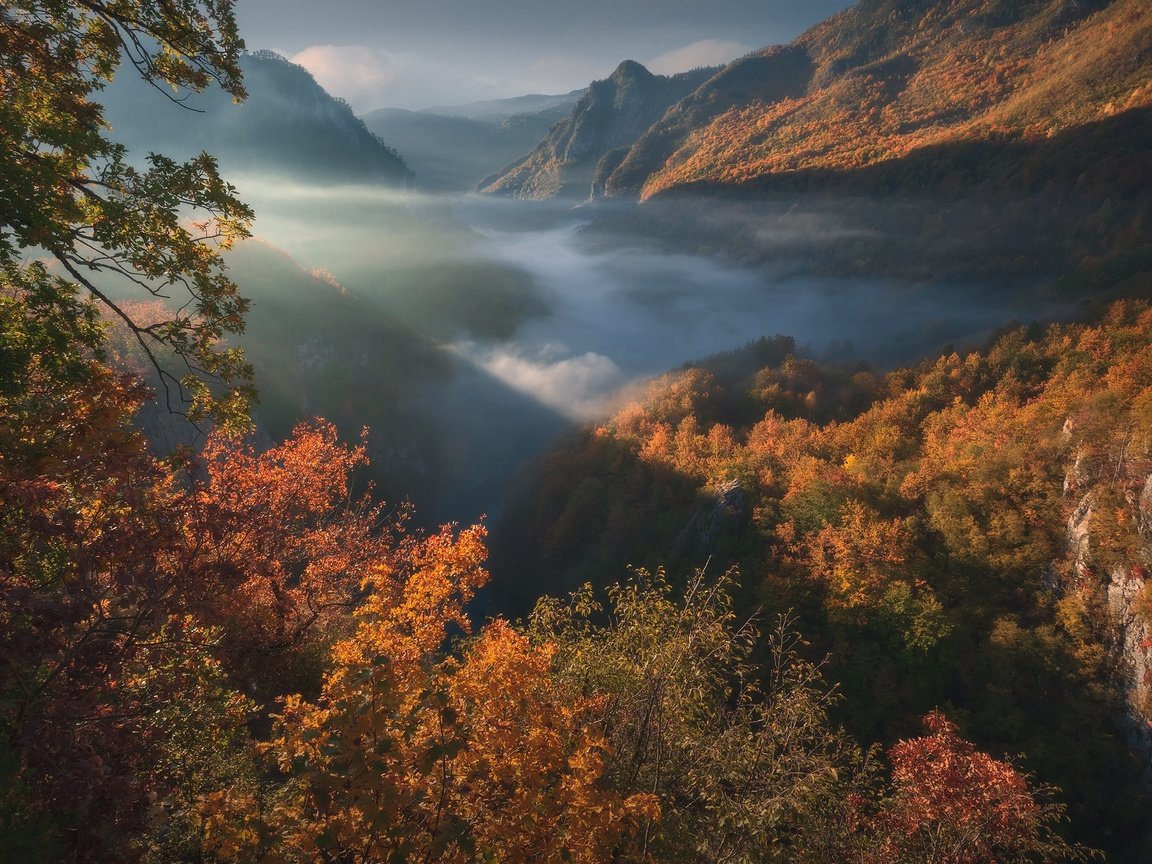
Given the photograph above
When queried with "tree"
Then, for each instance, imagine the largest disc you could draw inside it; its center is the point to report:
(134, 601)
(66, 190)
(741, 757)
(953, 804)
(411, 754)
(278, 543)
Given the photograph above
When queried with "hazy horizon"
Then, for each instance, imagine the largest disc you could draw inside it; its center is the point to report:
(444, 52)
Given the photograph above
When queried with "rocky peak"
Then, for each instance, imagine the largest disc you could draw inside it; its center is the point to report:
(611, 114)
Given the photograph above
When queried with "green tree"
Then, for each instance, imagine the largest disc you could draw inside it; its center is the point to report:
(68, 192)
(740, 756)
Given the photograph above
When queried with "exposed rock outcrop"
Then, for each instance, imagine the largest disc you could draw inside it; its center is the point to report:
(723, 512)
(1127, 599)
(612, 114)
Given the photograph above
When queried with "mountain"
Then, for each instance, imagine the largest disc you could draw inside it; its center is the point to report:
(288, 126)
(609, 117)
(965, 142)
(498, 110)
(453, 152)
(889, 79)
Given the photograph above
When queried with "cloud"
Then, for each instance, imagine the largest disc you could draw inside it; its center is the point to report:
(353, 72)
(703, 52)
(371, 78)
(575, 386)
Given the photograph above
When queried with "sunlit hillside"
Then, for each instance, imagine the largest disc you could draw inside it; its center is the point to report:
(884, 80)
(755, 468)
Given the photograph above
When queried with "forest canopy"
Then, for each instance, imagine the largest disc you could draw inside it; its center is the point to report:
(235, 654)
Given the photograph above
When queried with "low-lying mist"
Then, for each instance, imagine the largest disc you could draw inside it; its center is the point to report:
(540, 324)
(617, 314)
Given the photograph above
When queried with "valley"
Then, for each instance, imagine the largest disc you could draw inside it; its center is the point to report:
(742, 455)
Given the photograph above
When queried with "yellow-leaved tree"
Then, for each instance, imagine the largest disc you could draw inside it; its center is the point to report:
(411, 754)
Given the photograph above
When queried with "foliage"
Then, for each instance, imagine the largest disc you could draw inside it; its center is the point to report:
(137, 597)
(410, 755)
(155, 614)
(741, 758)
(232, 657)
(952, 804)
(67, 190)
(921, 539)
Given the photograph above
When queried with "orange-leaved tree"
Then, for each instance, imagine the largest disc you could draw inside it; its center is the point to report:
(414, 755)
(952, 804)
(277, 541)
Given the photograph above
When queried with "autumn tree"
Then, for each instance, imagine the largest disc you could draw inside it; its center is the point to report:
(873, 572)
(412, 754)
(136, 602)
(741, 757)
(134, 596)
(68, 191)
(279, 545)
(952, 804)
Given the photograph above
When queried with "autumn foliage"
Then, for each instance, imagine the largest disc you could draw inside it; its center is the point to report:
(227, 654)
(230, 656)
(921, 532)
(883, 87)
(952, 804)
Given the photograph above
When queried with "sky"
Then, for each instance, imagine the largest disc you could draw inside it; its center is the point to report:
(420, 53)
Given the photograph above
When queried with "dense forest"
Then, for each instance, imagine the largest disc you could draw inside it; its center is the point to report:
(802, 611)
(969, 532)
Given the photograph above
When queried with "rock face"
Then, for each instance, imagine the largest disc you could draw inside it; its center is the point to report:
(1127, 596)
(611, 115)
(764, 77)
(726, 510)
(1127, 592)
(1128, 600)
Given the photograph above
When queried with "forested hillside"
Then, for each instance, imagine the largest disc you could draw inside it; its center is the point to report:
(891, 79)
(773, 610)
(972, 532)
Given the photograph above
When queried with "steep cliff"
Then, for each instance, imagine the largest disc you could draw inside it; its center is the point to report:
(612, 114)
(1100, 519)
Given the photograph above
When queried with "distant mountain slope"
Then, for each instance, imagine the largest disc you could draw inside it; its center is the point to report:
(888, 78)
(452, 153)
(611, 115)
(288, 126)
(498, 110)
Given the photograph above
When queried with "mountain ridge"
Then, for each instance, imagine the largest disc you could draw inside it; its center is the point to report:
(496, 110)
(289, 126)
(610, 115)
(889, 77)
(872, 84)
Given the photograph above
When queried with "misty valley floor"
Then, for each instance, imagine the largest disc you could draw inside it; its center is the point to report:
(572, 326)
